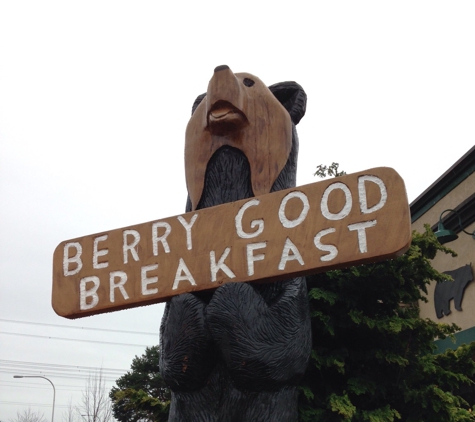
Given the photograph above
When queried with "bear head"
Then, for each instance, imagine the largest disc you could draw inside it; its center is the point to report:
(240, 111)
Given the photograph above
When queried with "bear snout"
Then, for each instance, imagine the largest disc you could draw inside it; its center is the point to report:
(224, 118)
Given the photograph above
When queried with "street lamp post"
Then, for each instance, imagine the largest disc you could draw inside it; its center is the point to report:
(47, 379)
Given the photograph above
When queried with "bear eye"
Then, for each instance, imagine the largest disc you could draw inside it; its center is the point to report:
(248, 82)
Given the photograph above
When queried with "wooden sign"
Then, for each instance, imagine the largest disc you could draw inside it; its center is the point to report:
(349, 220)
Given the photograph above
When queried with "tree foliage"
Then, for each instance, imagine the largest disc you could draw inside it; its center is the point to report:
(141, 394)
(372, 357)
(330, 171)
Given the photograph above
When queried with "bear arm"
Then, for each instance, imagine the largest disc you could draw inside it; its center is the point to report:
(187, 355)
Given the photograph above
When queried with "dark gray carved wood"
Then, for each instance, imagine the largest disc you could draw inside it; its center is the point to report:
(237, 353)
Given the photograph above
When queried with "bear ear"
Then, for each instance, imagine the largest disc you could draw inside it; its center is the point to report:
(197, 102)
(292, 96)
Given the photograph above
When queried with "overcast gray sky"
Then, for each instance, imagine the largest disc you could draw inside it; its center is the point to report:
(94, 100)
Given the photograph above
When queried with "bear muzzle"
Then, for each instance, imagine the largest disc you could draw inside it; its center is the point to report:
(224, 118)
(225, 103)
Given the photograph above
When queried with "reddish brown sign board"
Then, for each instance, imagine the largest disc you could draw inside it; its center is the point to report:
(349, 220)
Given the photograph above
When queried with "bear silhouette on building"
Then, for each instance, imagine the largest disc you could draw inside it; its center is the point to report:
(237, 353)
(454, 289)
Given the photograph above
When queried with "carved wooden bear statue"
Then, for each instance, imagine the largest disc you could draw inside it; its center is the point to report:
(237, 353)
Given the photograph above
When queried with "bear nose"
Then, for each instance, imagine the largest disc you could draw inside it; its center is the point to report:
(222, 67)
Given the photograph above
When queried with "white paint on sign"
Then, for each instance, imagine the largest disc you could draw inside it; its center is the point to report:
(162, 239)
(146, 280)
(96, 253)
(251, 258)
(220, 265)
(113, 285)
(345, 211)
(362, 193)
(331, 249)
(85, 293)
(188, 227)
(303, 214)
(289, 246)
(182, 273)
(360, 228)
(254, 223)
(130, 247)
(75, 259)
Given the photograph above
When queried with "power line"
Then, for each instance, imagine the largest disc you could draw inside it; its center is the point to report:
(83, 377)
(38, 386)
(58, 366)
(74, 339)
(44, 324)
(72, 372)
(59, 371)
(19, 403)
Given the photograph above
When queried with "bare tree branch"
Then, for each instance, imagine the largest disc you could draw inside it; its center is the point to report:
(28, 416)
(96, 405)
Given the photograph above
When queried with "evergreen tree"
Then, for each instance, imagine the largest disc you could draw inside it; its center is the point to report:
(372, 357)
(141, 394)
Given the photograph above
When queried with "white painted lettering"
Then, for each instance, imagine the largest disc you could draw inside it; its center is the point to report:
(76, 259)
(360, 228)
(289, 246)
(182, 273)
(331, 249)
(130, 247)
(163, 238)
(97, 253)
(303, 214)
(188, 227)
(251, 258)
(346, 208)
(362, 193)
(215, 267)
(254, 223)
(84, 293)
(146, 280)
(122, 276)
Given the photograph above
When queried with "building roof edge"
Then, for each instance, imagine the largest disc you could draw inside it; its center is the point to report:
(463, 168)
